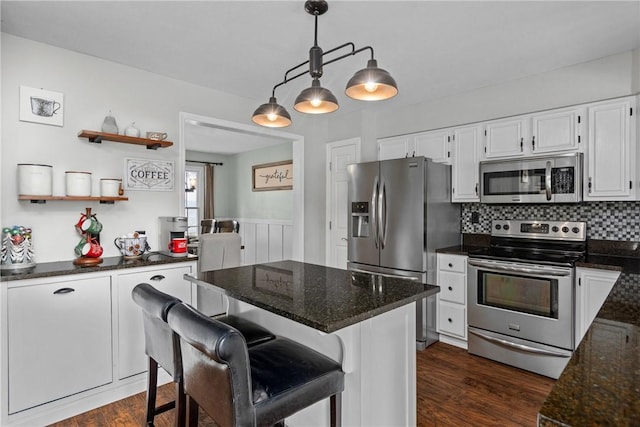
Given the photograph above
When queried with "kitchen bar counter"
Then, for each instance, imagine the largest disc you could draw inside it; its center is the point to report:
(62, 268)
(366, 322)
(323, 298)
(601, 383)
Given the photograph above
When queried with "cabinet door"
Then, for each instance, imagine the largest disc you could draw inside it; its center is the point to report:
(131, 356)
(593, 287)
(434, 145)
(610, 168)
(396, 147)
(59, 340)
(464, 168)
(505, 138)
(555, 131)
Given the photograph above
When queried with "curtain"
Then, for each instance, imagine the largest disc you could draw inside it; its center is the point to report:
(208, 192)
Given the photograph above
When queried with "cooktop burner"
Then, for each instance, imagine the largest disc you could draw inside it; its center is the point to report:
(540, 242)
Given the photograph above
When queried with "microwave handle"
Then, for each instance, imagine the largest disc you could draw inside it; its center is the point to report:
(547, 180)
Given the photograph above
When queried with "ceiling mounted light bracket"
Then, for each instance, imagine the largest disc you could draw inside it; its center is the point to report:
(369, 84)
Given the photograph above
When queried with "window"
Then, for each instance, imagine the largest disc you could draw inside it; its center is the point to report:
(192, 199)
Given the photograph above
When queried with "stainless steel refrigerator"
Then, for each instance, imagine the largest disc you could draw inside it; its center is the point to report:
(400, 213)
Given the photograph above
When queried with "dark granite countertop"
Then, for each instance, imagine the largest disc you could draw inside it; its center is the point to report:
(324, 298)
(601, 383)
(61, 268)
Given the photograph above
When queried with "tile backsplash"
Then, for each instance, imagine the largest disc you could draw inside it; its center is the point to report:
(605, 220)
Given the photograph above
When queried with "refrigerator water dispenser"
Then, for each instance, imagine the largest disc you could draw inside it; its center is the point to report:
(360, 219)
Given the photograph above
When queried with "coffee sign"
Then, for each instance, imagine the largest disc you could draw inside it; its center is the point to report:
(151, 175)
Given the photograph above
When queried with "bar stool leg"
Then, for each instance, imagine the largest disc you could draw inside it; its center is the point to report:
(152, 384)
(335, 403)
(192, 412)
(181, 403)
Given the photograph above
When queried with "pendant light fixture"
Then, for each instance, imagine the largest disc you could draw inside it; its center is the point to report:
(369, 84)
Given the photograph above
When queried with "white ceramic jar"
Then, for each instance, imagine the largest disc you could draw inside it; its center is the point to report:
(109, 187)
(78, 184)
(34, 179)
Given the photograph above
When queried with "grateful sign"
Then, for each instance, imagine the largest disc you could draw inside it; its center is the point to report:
(273, 176)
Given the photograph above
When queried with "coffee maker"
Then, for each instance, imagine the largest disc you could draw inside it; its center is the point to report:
(172, 236)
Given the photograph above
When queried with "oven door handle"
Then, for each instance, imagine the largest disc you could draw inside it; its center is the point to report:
(525, 270)
(520, 347)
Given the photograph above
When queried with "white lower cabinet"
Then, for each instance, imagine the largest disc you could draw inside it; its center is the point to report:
(75, 342)
(592, 288)
(452, 300)
(59, 339)
(131, 356)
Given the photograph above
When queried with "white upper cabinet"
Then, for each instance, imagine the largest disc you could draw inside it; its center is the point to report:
(396, 147)
(434, 145)
(465, 171)
(505, 138)
(611, 156)
(539, 133)
(557, 130)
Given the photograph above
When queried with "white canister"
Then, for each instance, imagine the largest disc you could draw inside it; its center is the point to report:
(109, 187)
(78, 183)
(34, 180)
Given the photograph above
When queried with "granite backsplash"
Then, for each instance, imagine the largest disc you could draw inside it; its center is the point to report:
(605, 220)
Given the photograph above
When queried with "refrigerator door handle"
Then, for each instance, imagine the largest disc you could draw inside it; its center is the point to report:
(374, 209)
(383, 215)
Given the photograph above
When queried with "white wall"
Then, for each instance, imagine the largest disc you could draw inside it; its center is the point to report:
(277, 204)
(91, 88)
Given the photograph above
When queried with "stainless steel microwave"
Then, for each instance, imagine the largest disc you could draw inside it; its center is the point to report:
(556, 179)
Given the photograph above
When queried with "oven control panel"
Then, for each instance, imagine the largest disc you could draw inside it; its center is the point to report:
(554, 230)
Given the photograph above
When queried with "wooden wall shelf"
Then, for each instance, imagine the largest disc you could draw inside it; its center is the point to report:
(98, 137)
(103, 200)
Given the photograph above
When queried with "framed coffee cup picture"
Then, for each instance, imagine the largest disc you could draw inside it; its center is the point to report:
(41, 106)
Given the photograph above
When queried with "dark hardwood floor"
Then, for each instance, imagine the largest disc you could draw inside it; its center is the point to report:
(454, 389)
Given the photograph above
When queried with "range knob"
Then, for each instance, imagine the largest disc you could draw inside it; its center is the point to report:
(506, 227)
(555, 229)
(575, 230)
(498, 226)
(565, 229)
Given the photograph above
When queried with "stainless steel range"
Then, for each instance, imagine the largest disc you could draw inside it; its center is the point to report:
(521, 294)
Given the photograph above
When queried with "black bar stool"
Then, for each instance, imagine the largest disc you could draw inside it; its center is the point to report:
(241, 386)
(163, 348)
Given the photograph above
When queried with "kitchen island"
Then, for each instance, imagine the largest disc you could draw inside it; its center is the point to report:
(364, 321)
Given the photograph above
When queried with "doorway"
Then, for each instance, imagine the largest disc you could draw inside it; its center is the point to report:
(241, 134)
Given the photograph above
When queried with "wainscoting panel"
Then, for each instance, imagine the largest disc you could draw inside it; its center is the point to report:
(265, 240)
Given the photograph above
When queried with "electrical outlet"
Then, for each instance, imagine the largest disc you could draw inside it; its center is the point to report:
(475, 218)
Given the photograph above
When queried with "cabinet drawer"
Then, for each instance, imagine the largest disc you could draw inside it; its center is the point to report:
(452, 319)
(452, 286)
(457, 263)
(59, 340)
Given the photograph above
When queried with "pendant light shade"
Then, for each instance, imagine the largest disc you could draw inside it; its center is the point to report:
(271, 115)
(316, 100)
(371, 84)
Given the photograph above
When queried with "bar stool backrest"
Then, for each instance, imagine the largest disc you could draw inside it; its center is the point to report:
(214, 357)
(161, 344)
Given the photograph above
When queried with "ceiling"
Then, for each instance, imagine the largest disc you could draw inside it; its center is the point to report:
(433, 49)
